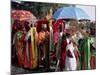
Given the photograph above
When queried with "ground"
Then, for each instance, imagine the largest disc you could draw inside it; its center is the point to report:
(18, 70)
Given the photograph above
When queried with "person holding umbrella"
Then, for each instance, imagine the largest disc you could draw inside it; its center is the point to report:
(70, 53)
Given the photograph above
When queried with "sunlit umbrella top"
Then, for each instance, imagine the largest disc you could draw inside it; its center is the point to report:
(71, 13)
(22, 15)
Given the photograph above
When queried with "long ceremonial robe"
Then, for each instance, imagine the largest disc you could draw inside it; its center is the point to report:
(19, 45)
(31, 48)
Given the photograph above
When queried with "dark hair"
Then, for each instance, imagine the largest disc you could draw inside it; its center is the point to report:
(19, 27)
(27, 28)
(82, 27)
(64, 36)
(31, 25)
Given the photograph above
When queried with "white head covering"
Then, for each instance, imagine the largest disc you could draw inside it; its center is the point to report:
(44, 26)
(67, 25)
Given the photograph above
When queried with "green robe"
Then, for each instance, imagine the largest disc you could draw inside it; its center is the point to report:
(84, 48)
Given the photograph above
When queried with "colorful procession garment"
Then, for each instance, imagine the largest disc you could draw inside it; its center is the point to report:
(56, 37)
(32, 48)
(58, 50)
(87, 56)
(63, 54)
(81, 50)
(41, 47)
(87, 53)
(84, 48)
(70, 61)
(19, 44)
(47, 50)
(93, 53)
(44, 48)
(52, 51)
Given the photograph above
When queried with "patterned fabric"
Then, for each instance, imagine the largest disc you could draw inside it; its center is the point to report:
(31, 49)
(19, 44)
(34, 47)
(43, 48)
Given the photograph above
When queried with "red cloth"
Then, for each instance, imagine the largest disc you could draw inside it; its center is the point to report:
(69, 54)
(63, 52)
(56, 37)
(20, 51)
(93, 62)
(57, 24)
(39, 24)
(30, 55)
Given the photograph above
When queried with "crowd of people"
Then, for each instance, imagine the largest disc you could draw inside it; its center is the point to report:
(48, 45)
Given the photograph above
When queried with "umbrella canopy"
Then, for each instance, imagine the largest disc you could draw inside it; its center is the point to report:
(22, 15)
(71, 13)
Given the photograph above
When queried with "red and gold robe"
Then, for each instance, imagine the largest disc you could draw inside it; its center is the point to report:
(31, 48)
(19, 44)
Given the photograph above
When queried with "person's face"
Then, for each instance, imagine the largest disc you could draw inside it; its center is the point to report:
(44, 27)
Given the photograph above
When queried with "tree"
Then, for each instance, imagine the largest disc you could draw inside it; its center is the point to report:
(40, 10)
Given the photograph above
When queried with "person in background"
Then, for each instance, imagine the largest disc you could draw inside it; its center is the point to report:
(13, 49)
(59, 44)
(43, 44)
(31, 46)
(63, 53)
(71, 53)
(18, 42)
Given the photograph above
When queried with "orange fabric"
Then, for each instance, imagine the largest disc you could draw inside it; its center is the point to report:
(41, 37)
(20, 53)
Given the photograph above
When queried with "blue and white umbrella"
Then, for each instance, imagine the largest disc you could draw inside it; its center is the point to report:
(71, 13)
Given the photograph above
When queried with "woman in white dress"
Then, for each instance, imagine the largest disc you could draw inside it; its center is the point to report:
(70, 60)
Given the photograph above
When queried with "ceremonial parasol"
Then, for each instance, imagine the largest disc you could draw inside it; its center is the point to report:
(22, 15)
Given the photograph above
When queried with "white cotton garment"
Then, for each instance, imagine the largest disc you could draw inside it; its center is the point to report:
(61, 34)
(67, 26)
(70, 63)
